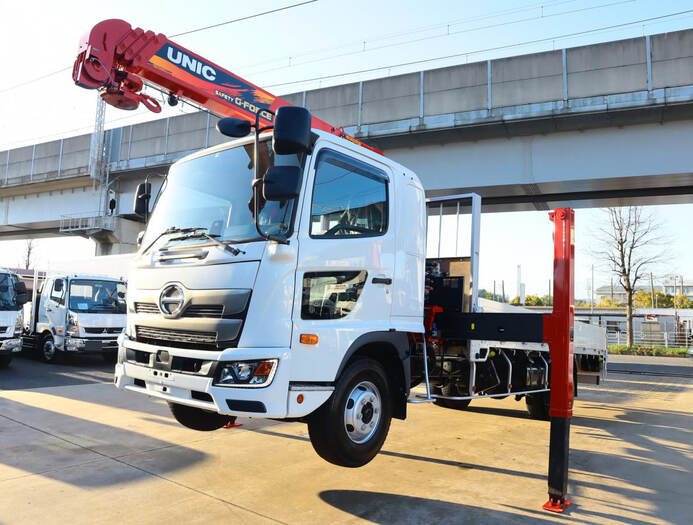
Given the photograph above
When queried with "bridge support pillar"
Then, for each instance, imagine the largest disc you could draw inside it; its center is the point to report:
(123, 239)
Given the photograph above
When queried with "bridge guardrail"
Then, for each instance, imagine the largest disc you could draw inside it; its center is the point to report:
(86, 221)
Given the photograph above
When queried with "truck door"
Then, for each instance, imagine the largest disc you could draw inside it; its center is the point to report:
(55, 305)
(345, 259)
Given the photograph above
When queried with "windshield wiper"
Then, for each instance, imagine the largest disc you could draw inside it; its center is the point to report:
(212, 237)
(173, 229)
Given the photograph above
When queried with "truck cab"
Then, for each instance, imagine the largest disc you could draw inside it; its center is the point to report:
(79, 314)
(12, 296)
(298, 304)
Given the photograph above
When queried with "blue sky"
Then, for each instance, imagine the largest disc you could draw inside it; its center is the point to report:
(324, 38)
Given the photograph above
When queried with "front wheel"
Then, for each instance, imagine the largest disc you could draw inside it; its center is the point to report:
(5, 361)
(47, 351)
(199, 419)
(351, 427)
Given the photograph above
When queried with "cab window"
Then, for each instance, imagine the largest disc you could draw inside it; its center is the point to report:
(350, 198)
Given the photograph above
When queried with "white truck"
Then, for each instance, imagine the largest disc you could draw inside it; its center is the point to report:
(77, 314)
(13, 295)
(284, 276)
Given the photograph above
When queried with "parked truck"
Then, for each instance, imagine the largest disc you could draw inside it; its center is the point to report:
(13, 295)
(77, 314)
(284, 274)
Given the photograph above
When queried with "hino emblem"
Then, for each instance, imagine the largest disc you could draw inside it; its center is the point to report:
(171, 300)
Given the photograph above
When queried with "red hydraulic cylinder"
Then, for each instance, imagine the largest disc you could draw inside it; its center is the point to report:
(558, 333)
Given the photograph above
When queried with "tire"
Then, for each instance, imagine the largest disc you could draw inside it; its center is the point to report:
(5, 361)
(538, 405)
(450, 390)
(43, 351)
(198, 419)
(351, 426)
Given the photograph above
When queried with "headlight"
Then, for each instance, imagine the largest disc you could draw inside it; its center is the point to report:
(72, 325)
(246, 373)
(19, 325)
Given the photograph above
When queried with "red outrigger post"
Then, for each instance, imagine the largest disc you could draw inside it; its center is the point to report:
(558, 333)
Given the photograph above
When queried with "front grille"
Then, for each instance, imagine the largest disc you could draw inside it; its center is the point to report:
(146, 308)
(213, 311)
(180, 338)
(103, 330)
(204, 310)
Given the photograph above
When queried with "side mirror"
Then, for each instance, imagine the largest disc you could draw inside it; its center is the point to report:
(233, 127)
(142, 195)
(281, 183)
(291, 130)
(140, 236)
(20, 290)
(58, 286)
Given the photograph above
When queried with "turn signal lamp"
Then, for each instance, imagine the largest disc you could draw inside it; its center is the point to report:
(309, 339)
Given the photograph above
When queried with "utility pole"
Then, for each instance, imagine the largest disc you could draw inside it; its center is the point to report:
(652, 290)
(592, 292)
(675, 313)
(494, 290)
(503, 289)
(612, 291)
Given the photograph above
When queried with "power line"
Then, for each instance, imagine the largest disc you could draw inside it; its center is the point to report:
(467, 53)
(431, 37)
(244, 18)
(35, 79)
(31, 81)
(419, 29)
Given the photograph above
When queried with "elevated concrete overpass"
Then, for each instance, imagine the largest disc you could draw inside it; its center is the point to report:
(588, 126)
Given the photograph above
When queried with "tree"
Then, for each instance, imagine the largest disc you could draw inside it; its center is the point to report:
(642, 299)
(626, 245)
(533, 300)
(27, 255)
(683, 302)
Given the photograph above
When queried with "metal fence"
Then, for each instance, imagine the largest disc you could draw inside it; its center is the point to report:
(680, 339)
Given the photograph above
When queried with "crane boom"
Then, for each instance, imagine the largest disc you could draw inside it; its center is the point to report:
(117, 59)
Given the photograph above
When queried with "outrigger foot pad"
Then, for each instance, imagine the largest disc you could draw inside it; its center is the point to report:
(557, 505)
(231, 424)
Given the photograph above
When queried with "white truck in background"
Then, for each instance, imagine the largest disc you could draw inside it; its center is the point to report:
(12, 297)
(77, 314)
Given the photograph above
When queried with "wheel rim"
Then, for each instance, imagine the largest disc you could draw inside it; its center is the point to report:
(48, 349)
(362, 412)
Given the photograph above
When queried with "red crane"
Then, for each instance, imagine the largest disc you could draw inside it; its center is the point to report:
(117, 60)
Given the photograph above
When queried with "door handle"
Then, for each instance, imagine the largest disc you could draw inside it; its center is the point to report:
(381, 280)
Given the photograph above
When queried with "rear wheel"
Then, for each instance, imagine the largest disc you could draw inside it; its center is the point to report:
(199, 419)
(351, 427)
(451, 390)
(5, 361)
(47, 351)
(538, 405)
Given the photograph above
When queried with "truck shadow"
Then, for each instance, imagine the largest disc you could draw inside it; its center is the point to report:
(390, 509)
(80, 452)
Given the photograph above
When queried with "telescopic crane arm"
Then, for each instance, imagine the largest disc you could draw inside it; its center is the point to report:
(117, 59)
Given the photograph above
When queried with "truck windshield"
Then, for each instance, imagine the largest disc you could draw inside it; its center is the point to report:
(94, 296)
(8, 297)
(214, 192)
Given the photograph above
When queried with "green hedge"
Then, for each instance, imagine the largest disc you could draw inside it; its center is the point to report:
(648, 350)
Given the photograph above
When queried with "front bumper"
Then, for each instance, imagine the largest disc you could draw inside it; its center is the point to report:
(275, 400)
(10, 346)
(90, 345)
